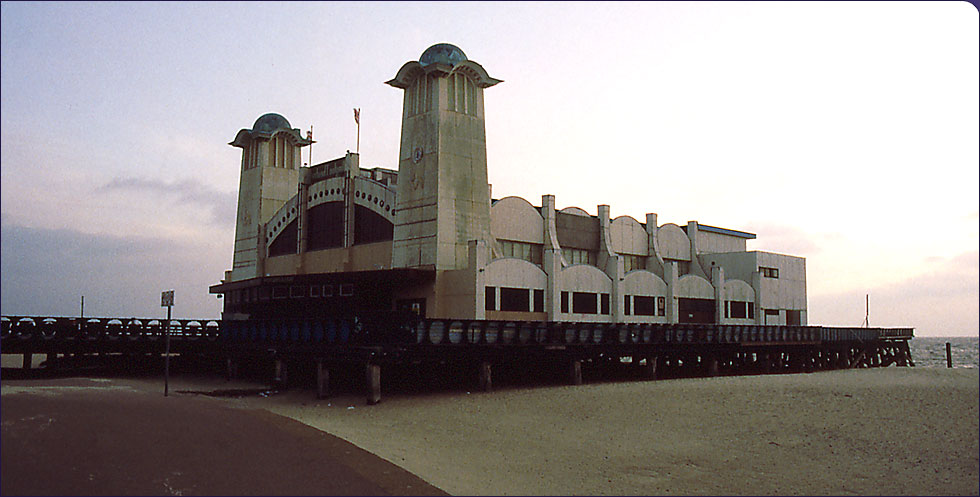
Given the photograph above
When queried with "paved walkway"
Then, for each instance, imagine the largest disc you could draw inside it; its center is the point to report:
(82, 437)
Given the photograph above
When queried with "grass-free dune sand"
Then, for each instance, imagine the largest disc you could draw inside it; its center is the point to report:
(892, 431)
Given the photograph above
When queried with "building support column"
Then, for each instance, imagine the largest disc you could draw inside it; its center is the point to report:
(280, 380)
(575, 372)
(486, 379)
(28, 361)
(322, 380)
(373, 380)
(231, 369)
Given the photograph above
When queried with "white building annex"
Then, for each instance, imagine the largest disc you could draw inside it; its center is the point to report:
(336, 239)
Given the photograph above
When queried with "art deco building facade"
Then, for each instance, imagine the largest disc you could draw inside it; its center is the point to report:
(336, 239)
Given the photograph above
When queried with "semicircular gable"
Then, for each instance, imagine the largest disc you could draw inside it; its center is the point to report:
(673, 242)
(517, 273)
(739, 290)
(513, 218)
(585, 278)
(627, 236)
(578, 211)
(643, 282)
(694, 287)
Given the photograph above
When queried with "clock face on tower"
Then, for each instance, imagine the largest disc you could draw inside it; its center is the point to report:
(417, 154)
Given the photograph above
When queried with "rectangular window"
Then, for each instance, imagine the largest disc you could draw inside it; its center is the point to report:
(661, 306)
(530, 252)
(262, 293)
(327, 290)
(604, 303)
(297, 291)
(564, 302)
(751, 312)
(491, 298)
(579, 256)
(515, 299)
(280, 292)
(538, 300)
(633, 262)
(346, 290)
(584, 303)
(460, 93)
(626, 305)
(315, 291)
(772, 312)
(451, 93)
(470, 97)
(737, 310)
(769, 272)
(644, 306)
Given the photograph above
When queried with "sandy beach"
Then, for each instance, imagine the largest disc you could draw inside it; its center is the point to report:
(892, 431)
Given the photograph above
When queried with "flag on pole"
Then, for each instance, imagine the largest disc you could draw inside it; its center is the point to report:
(357, 116)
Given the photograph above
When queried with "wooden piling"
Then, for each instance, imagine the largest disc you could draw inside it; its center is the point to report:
(322, 380)
(576, 372)
(231, 369)
(949, 356)
(649, 370)
(29, 358)
(280, 381)
(373, 377)
(486, 380)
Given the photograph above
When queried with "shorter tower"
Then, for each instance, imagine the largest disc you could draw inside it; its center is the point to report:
(271, 158)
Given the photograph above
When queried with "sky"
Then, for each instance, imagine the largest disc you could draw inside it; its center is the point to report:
(845, 133)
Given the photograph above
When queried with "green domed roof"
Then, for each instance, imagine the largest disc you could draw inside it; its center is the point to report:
(442, 53)
(270, 122)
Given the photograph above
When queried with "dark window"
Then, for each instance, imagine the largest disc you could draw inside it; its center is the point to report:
(793, 318)
(769, 272)
(514, 299)
(626, 305)
(315, 291)
(285, 242)
(751, 313)
(772, 312)
(297, 291)
(584, 303)
(280, 292)
(604, 303)
(370, 227)
(661, 306)
(564, 301)
(328, 290)
(263, 293)
(539, 301)
(695, 310)
(325, 226)
(737, 310)
(491, 298)
(644, 306)
(346, 290)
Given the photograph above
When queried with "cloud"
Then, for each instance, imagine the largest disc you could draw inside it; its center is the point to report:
(46, 271)
(222, 205)
(942, 301)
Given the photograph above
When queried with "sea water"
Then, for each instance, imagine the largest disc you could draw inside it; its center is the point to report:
(930, 352)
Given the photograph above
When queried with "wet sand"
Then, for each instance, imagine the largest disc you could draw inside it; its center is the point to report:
(892, 431)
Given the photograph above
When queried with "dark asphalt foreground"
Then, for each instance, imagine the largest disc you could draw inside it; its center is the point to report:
(122, 441)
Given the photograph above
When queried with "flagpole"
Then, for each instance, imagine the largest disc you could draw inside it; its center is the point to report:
(357, 120)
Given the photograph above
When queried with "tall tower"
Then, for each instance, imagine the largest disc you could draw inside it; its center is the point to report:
(443, 197)
(271, 158)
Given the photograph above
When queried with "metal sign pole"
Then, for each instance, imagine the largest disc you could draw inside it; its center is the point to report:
(167, 300)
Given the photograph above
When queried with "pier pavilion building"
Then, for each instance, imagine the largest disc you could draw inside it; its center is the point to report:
(336, 239)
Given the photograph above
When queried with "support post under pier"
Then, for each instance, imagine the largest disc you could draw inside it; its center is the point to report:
(28, 360)
(322, 380)
(486, 379)
(280, 381)
(373, 377)
(575, 371)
